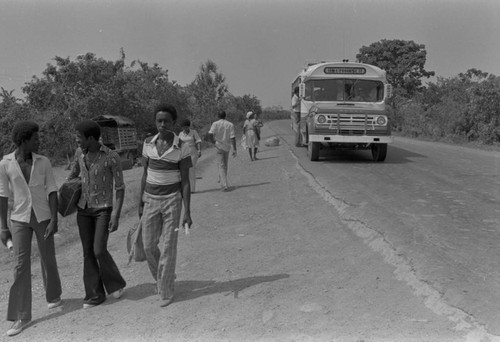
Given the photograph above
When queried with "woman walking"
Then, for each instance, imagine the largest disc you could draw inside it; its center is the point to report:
(190, 137)
(250, 132)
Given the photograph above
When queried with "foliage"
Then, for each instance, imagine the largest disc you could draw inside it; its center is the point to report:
(461, 108)
(402, 60)
(72, 90)
(207, 93)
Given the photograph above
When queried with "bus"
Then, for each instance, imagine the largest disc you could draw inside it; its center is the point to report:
(342, 106)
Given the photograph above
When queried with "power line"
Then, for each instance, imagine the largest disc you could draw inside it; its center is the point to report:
(13, 76)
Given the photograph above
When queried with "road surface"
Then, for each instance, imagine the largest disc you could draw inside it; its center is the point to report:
(435, 208)
(339, 250)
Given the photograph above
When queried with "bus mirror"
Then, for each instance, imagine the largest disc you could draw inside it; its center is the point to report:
(302, 90)
(388, 90)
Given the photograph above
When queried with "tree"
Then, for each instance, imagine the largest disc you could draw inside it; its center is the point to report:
(247, 103)
(402, 60)
(88, 86)
(207, 91)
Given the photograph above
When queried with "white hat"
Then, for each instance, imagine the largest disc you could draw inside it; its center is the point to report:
(249, 114)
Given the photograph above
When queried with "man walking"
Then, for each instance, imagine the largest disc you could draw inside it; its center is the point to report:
(165, 188)
(28, 178)
(222, 134)
(98, 167)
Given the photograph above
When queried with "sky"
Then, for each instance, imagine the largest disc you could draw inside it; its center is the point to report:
(259, 45)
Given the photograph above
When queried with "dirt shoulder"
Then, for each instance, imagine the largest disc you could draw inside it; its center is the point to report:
(268, 261)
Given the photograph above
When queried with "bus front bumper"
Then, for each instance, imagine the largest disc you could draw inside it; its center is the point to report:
(350, 139)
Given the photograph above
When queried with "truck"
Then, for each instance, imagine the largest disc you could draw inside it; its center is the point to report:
(342, 106)
(119, 134)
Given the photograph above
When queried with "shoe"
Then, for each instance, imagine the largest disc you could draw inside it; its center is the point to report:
(166, 302)
(226, 189)
(55, 304)
(91, 303)
(18, 326)
(118, 293)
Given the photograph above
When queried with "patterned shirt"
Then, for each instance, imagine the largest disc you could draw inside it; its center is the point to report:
(97, 181)
(164, 172)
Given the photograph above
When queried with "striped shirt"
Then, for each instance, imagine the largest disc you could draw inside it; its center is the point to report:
(164, 172)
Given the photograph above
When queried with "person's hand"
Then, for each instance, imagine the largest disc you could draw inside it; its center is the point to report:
(234, 153)
(113, 223)
(187, 219)
(199, 153)
(5, 235)
(51, 229)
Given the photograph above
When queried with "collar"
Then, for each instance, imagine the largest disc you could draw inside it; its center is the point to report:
(103, 148)
(12, 156)
(175, 143)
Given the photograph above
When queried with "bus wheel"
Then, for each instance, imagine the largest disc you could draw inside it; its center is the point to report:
(379, 152)
(298, 137)
(313, 150)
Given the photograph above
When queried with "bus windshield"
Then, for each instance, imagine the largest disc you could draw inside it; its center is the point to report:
(345, 90)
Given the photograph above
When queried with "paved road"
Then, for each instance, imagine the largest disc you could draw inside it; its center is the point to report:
(435, 210)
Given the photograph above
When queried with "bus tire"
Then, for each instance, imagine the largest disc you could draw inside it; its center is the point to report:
(298, 137)
(313, 150)
(379, 152)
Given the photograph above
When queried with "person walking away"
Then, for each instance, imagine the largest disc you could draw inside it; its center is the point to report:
(192, 139)
(98, 167)
(28, 178)
(250, 130)
(165, 188)
(222, 135)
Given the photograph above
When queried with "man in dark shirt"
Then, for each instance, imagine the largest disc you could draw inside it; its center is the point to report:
(98, 167)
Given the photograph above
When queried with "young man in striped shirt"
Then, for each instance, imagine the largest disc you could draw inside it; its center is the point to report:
(165, 188)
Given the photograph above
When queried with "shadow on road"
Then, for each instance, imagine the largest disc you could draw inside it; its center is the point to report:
(191, 289)
(395, 155)
(231, 188)
(69, 305)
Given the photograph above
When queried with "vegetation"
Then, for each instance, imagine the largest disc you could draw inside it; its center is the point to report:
(69, 91)
(465, 107)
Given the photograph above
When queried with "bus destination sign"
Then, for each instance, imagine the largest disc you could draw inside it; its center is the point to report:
(345, 70)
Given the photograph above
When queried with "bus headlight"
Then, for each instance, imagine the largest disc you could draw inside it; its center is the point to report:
(381, 120)
(321, 119)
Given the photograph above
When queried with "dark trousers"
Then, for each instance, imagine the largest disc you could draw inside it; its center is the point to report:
(100, 272)
(20, 291)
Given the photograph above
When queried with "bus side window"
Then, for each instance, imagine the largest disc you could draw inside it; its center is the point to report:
(308, 92)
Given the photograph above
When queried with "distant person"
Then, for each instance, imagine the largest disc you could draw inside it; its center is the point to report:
(99, 169)
(192, 139)
(165, 188)
(251, 132)
(28, 178)
(222, 135)
(296, 104)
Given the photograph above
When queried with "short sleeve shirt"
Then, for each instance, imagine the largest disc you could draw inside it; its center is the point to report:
(98, 179)
(27, 196)
(164, 172)
(223, 132)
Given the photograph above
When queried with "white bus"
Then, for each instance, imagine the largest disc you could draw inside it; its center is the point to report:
(342, 106)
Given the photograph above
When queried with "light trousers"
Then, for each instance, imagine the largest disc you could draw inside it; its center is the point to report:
(192, 170)
(160, 218)
(222, 161)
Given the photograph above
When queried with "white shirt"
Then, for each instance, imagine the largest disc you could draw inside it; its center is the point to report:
(223, 132)
(191, 139)
(27, 196)
(295, 103)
